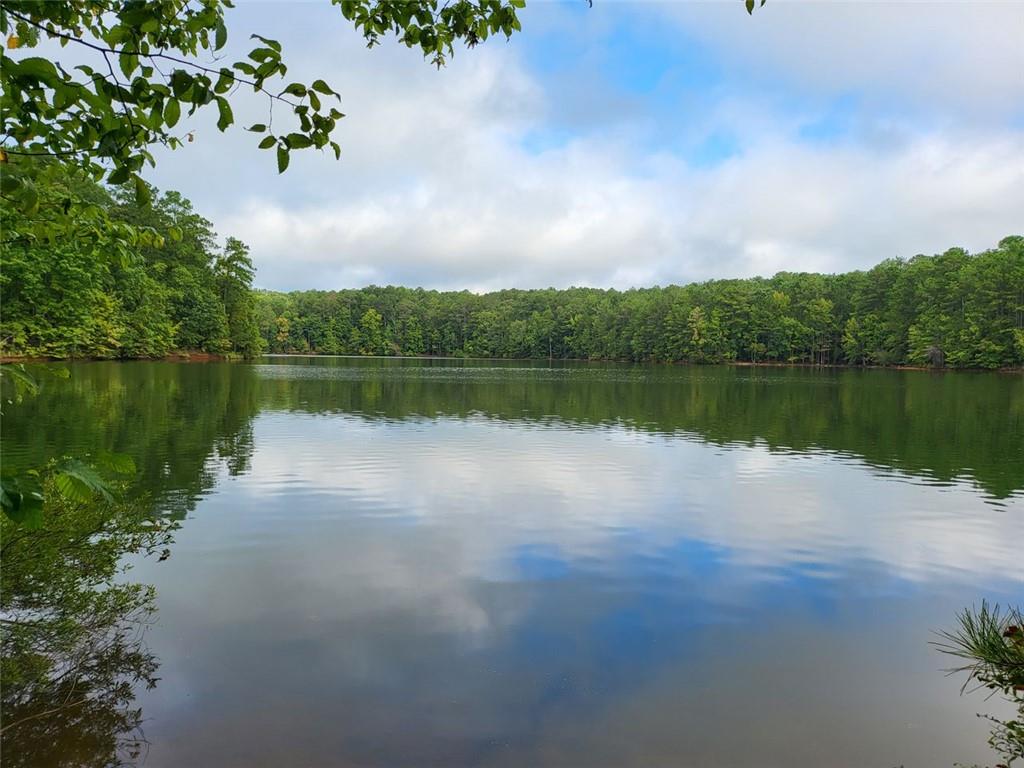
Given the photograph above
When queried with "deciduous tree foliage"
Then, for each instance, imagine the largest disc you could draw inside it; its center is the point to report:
(150, 63)
(954, 309)
(177, 289)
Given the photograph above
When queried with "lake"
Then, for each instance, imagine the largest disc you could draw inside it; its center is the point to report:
(388, 562)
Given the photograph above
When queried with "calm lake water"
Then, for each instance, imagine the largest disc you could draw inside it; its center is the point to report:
(428, 563)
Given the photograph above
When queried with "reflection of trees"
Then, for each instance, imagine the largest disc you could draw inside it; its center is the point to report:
(178, 421)
(72, 643)
(182, 421)
(940, 426)
(71, 650)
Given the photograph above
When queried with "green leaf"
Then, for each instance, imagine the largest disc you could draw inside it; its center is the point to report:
(750, 6)
(268, 142)
(257, 128)
(263, 55)
(220, 35)
(298, 141)
(119, 175)
(272, 43)
(322, 87)
(9, 183)
(22, 381)
(71, 487)
(39, 68)
(224, 81)
(172, 112)
(28, 199)
(77, 481)
(129, 62)
(23, 505)
(282, 159)
(142, 194)
(226, 117)
(181, 81)
(121, 463)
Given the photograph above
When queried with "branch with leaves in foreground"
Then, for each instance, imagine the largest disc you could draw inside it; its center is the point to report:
(153, 62)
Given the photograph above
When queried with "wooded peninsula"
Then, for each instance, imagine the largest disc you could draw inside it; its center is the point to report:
(183, 290)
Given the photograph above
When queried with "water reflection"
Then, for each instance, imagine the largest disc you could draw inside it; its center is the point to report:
(941, 427)
(71, 635)
(179, 423)
(395, 563)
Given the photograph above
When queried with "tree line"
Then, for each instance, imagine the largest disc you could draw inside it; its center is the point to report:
(176, 287)
(953, 309)
(74, 296)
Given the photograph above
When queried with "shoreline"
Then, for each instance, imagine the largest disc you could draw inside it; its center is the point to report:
(178, 356)
(186, 356)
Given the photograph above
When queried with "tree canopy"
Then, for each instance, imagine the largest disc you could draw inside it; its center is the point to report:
(953, 309)
(179, 288)
(71, 298)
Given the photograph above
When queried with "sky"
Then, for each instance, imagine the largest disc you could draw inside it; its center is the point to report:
(628, 144)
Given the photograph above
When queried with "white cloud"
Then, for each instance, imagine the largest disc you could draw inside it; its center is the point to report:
(577, 492)
(439, 185)
(932, 54)
(578, 215)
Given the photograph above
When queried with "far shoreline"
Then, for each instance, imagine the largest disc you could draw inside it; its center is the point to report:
(186, 356)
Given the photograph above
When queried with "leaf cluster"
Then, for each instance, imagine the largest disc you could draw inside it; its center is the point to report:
(432, 26)
(153, 63)
(74, 479)
(112, 277)
(146, 71)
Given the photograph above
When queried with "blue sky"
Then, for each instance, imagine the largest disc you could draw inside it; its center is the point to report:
(632, 143)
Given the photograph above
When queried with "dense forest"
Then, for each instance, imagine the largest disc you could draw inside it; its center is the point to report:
(954, 309)
(182, 290)
(72, 297)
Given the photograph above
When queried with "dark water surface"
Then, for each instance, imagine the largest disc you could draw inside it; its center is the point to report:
(425, 563)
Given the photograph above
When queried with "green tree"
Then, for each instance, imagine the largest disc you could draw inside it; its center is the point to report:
(958, 309)
(371, 332)
(69, 298)
(233, 270)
